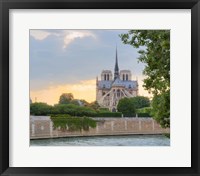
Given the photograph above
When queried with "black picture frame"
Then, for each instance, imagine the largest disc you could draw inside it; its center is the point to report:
(5, 5)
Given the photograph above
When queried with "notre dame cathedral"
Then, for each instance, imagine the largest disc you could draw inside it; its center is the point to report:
(109, 91)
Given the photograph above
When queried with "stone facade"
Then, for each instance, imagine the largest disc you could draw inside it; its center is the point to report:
(42, 127)
(110, 89)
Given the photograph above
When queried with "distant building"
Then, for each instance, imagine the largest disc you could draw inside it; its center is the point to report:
(110, 90)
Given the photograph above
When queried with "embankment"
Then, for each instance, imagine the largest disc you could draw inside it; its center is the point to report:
(42, 127)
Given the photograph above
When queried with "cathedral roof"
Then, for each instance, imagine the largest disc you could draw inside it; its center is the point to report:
(105, 84)
(108, 84)
(130, 84)
(118, 83)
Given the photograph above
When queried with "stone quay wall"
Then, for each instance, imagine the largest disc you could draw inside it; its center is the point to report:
(42, 127)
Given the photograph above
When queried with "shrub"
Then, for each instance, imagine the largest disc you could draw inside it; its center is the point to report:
(85, 111)
(103, 110)
(66, 122)
(40, 109)
(73, 110)
(64, 109)
(144, 115)
(108, 114)
(144, 112)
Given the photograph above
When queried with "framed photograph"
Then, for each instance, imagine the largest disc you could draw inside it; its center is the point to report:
(99, 87)
(112, 109)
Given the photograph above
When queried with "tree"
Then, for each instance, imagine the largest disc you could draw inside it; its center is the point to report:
(161, 102)
(66, 98)
(141, 102)
(76, 102)
(94, 105)
(40, 109)
(84, 102)
(154, 51)
(127, 107)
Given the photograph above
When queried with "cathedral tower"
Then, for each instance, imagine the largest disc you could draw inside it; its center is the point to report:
(110, 90)
(116, 71)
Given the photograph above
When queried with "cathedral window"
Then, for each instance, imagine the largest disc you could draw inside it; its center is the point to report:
(126, 76)
(118, 93)
(105, 77)
(123, 77)
(108, 77)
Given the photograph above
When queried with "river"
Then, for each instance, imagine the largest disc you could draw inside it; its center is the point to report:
(130, 140)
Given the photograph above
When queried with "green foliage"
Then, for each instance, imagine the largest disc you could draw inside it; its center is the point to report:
(40, 109)
(64, 109)
(75, 102)
(127, 107)
(59, 115)
(73, 110)
(66, 98)
(167, 135)
(66, 122)
(161, 109)
(144, 115)
(94, 105)
(145, 110)
(108, 114)
(103, 110)
(85, 111)
(154, 51)
(84, 103)
(141, 102)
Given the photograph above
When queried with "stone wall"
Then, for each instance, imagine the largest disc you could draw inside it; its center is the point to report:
(42, 127)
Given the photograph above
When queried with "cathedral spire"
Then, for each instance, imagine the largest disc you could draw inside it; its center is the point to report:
(116, 71)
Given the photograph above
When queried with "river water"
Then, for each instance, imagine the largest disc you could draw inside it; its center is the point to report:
(130, 140)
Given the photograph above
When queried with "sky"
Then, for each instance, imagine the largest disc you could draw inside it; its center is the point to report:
(68, 61)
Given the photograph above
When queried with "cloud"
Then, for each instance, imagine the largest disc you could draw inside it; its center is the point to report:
(70, 36)
(39, 34)
(87, 53)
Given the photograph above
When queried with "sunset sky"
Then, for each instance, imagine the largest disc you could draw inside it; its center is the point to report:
(68, 61)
